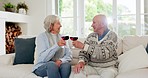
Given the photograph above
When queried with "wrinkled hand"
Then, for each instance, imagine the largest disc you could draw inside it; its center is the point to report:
(61, 42)
(78, 44)
(58, 63)
(79, 67)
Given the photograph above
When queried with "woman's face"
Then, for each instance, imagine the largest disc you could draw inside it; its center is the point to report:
(55, 29)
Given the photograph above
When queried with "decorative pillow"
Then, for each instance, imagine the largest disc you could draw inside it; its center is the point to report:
(147, 48)
(24, 50)
(133, 59)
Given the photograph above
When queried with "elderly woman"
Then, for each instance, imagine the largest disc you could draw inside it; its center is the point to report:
(53, 60)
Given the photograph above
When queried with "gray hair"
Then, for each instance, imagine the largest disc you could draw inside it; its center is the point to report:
(103, 19)
(49, 20)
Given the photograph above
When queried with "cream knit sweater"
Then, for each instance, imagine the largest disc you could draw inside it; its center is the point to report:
(100, 53)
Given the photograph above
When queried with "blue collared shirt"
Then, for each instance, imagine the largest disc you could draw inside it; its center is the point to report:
(102, 36)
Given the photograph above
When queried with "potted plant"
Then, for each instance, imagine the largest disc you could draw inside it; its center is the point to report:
(9, 7)
(22, 8)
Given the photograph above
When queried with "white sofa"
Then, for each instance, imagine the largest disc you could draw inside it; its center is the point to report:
(127, 68)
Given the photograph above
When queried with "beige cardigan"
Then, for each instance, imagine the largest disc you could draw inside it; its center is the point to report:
(100, 53)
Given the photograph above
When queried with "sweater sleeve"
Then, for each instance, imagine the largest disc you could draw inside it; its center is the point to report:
(84, 55)
(44, 52)
(67, 56)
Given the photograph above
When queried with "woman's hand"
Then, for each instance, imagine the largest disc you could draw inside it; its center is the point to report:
(78, 44)
(61, 42)
(58, 63)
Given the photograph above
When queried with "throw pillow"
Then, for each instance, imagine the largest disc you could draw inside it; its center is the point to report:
(24, 50)
(133, 59)
(147, 48)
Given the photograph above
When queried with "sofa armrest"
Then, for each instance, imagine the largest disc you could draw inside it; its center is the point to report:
(7, 59)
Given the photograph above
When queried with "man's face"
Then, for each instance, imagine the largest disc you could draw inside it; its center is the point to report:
(97, 25)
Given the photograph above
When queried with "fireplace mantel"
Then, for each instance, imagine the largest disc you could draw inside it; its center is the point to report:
(14, 17)
(10, 17)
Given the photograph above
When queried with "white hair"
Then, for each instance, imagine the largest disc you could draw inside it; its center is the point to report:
(102, 19)
(49, 21)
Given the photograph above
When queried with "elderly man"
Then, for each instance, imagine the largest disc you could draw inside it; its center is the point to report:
(98, 55)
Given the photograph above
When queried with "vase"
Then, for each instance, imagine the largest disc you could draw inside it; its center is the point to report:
(10, 9)
(22, 11)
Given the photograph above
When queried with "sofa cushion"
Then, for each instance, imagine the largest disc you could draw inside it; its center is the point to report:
(74, 61)
(15, 71)
(75, 52)
(24, 50)
(7, 59)
(119, 49)
(130, 42)
(139, 73)
(133, 59)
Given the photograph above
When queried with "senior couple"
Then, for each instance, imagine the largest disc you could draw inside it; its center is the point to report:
(97, 57)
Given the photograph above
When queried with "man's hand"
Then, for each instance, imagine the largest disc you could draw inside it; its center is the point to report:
(78, 44)
(61, 42)
(79, 67)
(58, 63)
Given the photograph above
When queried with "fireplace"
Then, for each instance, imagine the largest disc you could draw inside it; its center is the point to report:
(12, 30)
(18, 24)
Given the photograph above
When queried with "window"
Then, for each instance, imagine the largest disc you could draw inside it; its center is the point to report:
(94, 7)
(144, 17)
(124, 17)
(72, 14)
(66, 14)
(132, 17)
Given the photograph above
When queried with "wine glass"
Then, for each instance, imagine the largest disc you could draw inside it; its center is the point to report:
(65, 38)
(73, 39)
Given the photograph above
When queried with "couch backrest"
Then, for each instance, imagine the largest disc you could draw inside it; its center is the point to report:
(7, 59)
(120, 46)
(124, 44)
(130, 42)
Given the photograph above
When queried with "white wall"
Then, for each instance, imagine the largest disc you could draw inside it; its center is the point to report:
(37, 12)
(1, 4)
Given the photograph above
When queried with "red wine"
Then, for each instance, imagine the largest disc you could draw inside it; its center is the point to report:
(65, 37)
(73, 38)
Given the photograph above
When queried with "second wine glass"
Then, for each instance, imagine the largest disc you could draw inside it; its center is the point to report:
(73, 39)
